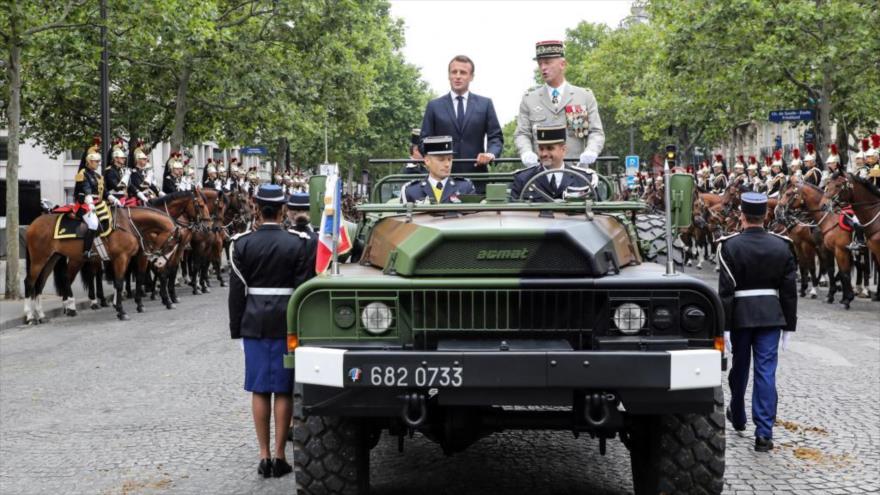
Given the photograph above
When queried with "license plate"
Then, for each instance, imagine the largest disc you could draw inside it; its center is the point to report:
(413, 376)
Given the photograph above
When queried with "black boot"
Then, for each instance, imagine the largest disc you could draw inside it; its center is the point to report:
(88, 240)
(763, 444)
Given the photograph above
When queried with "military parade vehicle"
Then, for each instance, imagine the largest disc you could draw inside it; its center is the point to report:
(457, 321)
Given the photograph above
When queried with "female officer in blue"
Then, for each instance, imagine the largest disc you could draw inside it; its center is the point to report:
(268, 264)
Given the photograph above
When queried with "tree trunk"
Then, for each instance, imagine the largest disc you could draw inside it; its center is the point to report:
(13, 113)
(823, 133)
(180, 108)
(280, 153)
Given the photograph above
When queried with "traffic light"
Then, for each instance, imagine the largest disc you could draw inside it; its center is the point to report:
(671, 153)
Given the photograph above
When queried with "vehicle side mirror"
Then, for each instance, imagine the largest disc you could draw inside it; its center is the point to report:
(317, 186)
(681, 193)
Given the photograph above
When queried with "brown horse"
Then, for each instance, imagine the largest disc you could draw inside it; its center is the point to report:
(864, 198)
(812, 201)
(806, 246)
(207, 243)
(44, 252)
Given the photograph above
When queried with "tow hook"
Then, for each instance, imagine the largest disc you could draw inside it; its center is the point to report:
(414, 410)
(597, 409)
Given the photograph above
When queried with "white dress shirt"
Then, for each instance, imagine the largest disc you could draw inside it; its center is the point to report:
(464, 101)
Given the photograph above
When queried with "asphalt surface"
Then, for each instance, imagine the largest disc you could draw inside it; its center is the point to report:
(96, 406)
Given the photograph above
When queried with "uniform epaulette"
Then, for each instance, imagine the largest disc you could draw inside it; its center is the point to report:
(81, 175)
(728, 236)
(240, 235)
(525, 169)
(533, 88)
(302, 235)
(783, 237)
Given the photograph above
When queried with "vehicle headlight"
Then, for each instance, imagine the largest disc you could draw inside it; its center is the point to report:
(377, 318)
(629, 318)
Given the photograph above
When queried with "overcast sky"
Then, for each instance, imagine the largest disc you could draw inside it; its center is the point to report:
(499, 36)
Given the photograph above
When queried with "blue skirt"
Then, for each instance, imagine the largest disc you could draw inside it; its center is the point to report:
(264, 370)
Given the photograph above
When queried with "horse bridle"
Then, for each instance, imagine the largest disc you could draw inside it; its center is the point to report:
(157, 254)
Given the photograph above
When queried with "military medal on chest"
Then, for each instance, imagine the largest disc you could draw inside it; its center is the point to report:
(576, 118)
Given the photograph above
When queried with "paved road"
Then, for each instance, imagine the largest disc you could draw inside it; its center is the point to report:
(91, 405)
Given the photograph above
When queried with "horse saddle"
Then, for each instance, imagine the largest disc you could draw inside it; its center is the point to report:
(69, 226)
(845, 220)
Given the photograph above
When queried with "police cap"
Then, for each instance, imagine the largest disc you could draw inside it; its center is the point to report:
(754, 204)
(415, 136)
(551, 134)
(298, 201)
(270, 194)
(437, 145)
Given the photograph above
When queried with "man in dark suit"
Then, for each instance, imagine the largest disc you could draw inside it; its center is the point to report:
(467, 117)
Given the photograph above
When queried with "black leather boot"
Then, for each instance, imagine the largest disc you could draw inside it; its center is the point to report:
(88, 240)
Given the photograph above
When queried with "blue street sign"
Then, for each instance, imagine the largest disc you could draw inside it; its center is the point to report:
(789, 115)
(254, 150)
(809, 136)
(778, 143)
(630, 180)
(632, 165)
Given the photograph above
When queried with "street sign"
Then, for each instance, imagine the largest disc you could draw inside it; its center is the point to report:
(789, 115)
(328, 169)
(778, 143)
(632, 165)
(809, 136)
(254, 150)
(630, 181)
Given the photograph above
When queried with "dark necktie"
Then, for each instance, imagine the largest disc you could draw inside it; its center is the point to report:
(553, 185)
(460, 110)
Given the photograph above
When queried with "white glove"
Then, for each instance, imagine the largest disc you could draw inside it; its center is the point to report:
(727, 346)
(142, 196)
(114, 200)
(529, 158)
(588, 157)
(89, 202)
(786, 336)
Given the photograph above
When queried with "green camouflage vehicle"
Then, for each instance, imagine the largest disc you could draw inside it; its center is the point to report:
(461, 320)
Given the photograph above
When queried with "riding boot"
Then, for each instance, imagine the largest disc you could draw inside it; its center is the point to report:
(88, 240)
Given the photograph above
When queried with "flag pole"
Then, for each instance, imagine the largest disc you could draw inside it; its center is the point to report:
(337, 204)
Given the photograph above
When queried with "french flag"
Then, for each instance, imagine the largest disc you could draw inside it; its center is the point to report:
(332, 209)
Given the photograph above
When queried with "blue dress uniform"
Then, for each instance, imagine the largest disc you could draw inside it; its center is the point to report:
(434, 189)
(758, 290)
(268, 264)
(299, 201)
(551, 185)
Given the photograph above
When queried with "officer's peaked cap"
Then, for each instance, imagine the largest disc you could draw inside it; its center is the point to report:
(271, 194)
(754, 204)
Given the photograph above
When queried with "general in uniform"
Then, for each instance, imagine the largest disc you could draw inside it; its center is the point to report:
(268, 264)
(758, 290)
(558, 103)
(552, 147)
(437, 187)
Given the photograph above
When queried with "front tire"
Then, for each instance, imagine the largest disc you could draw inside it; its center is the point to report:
(330, 454)
(679, 453)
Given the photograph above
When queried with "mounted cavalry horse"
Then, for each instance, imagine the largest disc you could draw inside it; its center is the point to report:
(54, 239)
(801, 196)
(207, 243)
(864, 199)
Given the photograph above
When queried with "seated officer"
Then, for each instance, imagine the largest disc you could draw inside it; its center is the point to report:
(414, 167)
(551, 150)
(437, 187)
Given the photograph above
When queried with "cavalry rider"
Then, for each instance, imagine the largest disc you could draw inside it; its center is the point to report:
(752, 179)
(415, 166)
(703, 178)
(552, 149)
(859, 168)
(211, 180)
(90, 194)
(812, 175)
(140, 183)
(253, 181)
(287, 183)
(222, 176)
(719, 178)
(776, 180)
(796, 163)
(832, 165)
(116, 176)
(437, 187)
(739, 173)
(872, 160)
(173, 181)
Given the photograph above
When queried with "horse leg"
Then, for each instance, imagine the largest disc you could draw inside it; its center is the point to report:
(804, 281)
(120, 264)
(139, 266)
(172, 286)
(99, 285)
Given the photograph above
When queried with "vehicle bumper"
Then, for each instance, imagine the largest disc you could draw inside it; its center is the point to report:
(675, 370)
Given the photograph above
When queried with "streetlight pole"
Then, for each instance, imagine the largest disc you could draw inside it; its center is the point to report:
(105, 85)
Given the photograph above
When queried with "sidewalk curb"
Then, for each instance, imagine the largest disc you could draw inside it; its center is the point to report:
(18, 321)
